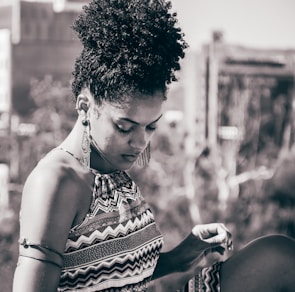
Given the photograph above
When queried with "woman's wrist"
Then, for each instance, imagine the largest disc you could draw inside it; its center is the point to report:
(165, 265)
(180, 259)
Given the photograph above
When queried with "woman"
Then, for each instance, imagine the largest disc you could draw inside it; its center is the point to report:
(84, 224)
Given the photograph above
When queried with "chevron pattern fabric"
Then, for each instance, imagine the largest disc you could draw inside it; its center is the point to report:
(117, 246)
(208, 280)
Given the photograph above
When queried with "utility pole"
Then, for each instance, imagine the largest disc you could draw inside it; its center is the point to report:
(15, 21)
(192, 86)
(212, 98)
(5, 111)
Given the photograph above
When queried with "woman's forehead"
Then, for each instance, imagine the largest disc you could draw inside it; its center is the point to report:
(136, 109)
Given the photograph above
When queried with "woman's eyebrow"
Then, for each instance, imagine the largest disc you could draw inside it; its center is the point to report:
(136, 123)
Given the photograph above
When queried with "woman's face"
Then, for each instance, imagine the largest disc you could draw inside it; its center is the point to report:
(122, 132)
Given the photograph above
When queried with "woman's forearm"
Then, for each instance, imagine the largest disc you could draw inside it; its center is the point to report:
(164, 266)
(204, 246)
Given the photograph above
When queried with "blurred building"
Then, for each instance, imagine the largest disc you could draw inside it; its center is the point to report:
(42, 42)
(240, 103)
(246, 106)
(239, 68)
(36, 40)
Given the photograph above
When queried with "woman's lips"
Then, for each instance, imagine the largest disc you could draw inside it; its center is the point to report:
(130, 157)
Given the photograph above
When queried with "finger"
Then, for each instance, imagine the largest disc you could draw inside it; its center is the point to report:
(220, 238)
(214, 232)
(227, 238)
(209, 230)
(228, 242)
(223, 238)
(230, 245)
(221, 228)
(205, 230)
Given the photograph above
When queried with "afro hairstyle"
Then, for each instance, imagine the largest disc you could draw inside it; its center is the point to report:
(128, 46)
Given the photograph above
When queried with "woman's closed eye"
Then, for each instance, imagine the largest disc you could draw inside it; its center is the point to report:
(124, 129)
(151, 128)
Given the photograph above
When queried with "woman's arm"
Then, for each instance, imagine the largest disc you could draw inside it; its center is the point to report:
(205, 245)
(47, 212)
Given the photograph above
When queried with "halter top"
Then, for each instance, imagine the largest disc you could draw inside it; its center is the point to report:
(117, 246)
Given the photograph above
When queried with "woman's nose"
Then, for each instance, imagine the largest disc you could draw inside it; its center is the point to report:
(139, 140)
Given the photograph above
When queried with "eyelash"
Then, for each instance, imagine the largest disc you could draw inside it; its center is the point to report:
(151, 128)
(122, 131)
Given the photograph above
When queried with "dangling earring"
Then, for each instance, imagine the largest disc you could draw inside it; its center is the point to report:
(85, 147)
(144, 158)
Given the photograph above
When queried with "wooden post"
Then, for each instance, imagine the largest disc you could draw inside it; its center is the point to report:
(15, 23)
(5, 112)
(190, 109)
(4, 181)
(212, 99)
(292, 122)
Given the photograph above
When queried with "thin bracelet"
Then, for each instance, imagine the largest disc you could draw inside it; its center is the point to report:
(41, 260)
(26, 244)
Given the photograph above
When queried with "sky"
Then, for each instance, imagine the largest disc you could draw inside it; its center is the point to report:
(254, 23)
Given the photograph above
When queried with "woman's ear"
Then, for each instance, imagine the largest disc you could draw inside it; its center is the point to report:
(82, 104)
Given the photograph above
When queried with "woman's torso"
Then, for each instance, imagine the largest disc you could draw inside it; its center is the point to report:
(117, 244)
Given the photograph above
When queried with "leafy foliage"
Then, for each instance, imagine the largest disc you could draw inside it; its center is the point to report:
(259, 207)
(260, 107)
(54, 116)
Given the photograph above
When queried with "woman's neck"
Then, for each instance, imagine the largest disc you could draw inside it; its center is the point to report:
(73, 143)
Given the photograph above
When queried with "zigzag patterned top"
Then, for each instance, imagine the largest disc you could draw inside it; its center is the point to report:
(117, 246)
(208, 280)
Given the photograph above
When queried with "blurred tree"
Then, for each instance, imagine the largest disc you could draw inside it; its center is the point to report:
(249, 214)
(260, 107)
(54, 115)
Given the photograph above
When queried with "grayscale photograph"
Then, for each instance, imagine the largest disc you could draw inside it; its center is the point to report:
(147, 145)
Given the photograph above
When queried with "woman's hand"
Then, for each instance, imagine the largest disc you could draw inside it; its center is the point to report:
(221, 245)
(204, 246)
(215, 234)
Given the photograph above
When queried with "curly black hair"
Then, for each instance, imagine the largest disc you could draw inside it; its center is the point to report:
(128, 46)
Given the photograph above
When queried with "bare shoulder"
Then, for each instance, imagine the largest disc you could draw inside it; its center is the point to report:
(50, 201)
(52, 180)
(51, 175)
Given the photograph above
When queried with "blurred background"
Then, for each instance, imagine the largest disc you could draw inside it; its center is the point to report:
(225, 149)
